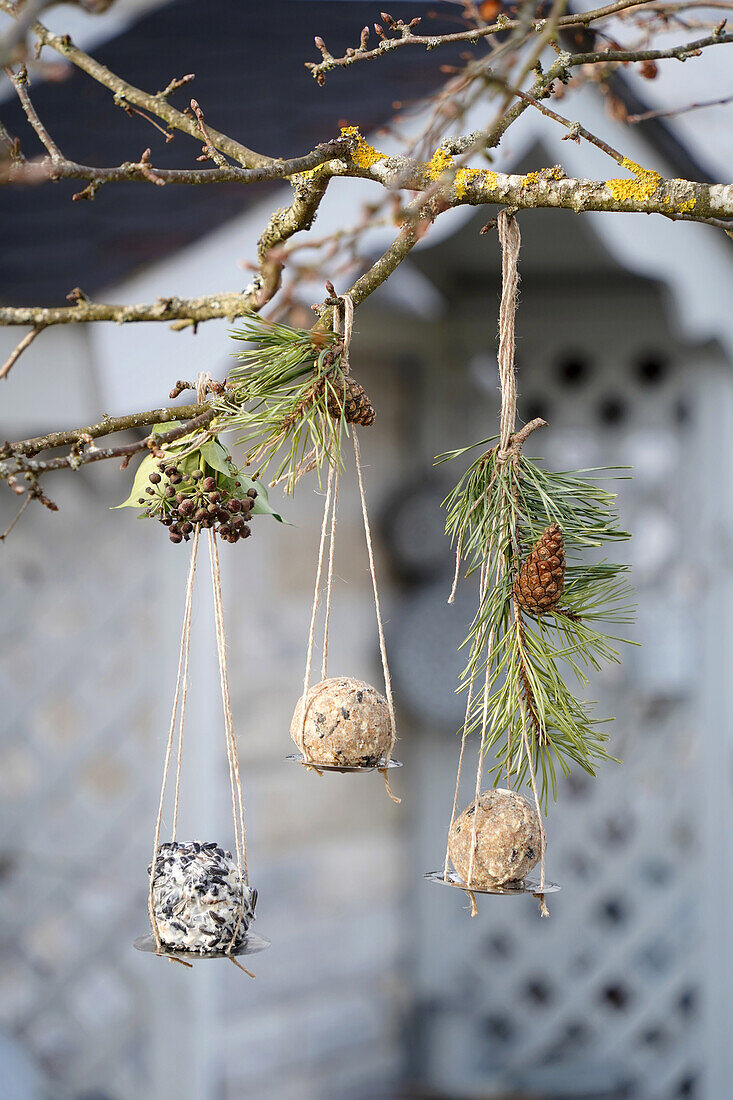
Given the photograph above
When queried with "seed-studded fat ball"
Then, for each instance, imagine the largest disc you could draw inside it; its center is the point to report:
(197, 898)
(347, 723)
(508, 839)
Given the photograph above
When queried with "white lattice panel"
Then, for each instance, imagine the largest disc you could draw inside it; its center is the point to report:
(78, 734)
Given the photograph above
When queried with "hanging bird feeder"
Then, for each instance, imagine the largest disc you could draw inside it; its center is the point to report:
(340, 723)
(513, 522)
(200, 901)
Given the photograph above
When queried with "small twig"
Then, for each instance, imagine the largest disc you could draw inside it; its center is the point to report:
(121, 90)
(12, 464)
(147, 170)
(575, 130)
(23, 507)
(175, 84)
(40, 171)
(210, 152)
(209, 308)
(18, 350)
(520, 438)
(130, 110)
(662, 113)
(432, 41)
(20, 83)
(12, 145)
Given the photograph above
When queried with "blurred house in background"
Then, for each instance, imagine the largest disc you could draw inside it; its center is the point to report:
(377, 983)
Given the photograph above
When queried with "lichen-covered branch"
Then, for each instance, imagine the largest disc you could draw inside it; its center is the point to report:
(308, 190)
(195, 310)
(108, 425)
(48, 170)
(643, 192)
(14, 464)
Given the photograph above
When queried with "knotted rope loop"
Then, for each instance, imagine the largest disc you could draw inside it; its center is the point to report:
(203, 381)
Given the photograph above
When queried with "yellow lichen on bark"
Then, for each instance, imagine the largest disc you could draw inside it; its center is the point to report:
(466, 176)
(639, 189)
(309, 174)
(363, 155)
(687, 206)
(439, 163)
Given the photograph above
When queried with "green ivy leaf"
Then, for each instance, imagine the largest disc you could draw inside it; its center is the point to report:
(161, 429)
(140, 483)
(217, 456)
(262, 506)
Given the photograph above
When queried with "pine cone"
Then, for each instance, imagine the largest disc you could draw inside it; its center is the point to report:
(541, 577)
(348, 395)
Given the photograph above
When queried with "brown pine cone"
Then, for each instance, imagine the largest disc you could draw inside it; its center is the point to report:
(348, 395)
(539, 583)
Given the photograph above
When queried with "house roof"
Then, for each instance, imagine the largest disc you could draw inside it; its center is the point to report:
(251, 82)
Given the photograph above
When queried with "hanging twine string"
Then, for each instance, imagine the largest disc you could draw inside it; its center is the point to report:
(184, 686)
(235, 780)
(464, 735)
(510, 242)
(348, 329)
(329, 510)
(380, 626)
(182, 663)
(329, 576)
(314, 613)
(480, 766)
(202, 383)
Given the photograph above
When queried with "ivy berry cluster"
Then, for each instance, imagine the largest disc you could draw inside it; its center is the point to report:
(182, 500)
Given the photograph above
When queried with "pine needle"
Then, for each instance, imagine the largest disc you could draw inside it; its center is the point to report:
(278, 398)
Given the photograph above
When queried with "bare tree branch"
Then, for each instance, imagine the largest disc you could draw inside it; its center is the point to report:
(127, 93)
(404, 36)
(442, 182)
(13, 464)
(674, 111)
(20, 83)
(195, 310)
(18, 351)
(108, 425)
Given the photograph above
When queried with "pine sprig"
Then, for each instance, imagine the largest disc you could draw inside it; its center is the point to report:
(523, 663)
(278, 398)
